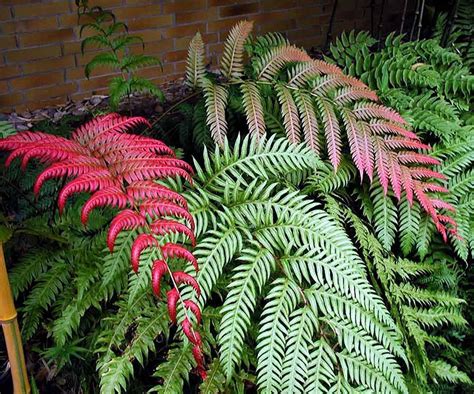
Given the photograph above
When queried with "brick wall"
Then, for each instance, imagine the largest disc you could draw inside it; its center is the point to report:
(41, 63)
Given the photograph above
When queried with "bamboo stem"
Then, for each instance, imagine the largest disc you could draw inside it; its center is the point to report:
(403, 16)
(420, 19)
(415, 19)
(11, 331)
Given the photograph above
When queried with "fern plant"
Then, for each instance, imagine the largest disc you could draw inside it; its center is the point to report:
(6, 129)
(316, 99)
(431, 88)
(424, 310)
(119, 170)
(113, 36)
(297, 298)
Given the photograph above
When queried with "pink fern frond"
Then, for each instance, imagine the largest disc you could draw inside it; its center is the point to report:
(404, 143)
(382, 127)
(367, 111)
(407, 157)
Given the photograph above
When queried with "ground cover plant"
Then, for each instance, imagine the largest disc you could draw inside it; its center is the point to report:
(313, 243)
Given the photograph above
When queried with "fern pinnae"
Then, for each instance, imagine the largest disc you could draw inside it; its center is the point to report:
(303, 323)
(253, 108)
(195, 62)
(331, 130)
(216, 100)
(232, 56)
(308, 119)
(240, 303)
(280, 302)
(290, 113)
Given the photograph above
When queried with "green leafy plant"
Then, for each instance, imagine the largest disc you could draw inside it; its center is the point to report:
(113, 36)
(283, 90)
(431, 88)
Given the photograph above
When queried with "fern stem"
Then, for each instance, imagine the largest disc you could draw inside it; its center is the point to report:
(170, 109)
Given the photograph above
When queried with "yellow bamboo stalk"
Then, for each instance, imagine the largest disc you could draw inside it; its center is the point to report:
(8, 319)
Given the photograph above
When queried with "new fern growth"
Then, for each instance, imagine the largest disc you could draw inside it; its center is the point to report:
(432, 88)
(113, 36)
(317, 101)
(119, 170)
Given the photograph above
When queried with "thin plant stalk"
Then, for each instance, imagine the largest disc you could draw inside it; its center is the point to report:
(380, 25)
(11, 331)
(420, 19)
(402, 25)
(417, 11)
(331, 24)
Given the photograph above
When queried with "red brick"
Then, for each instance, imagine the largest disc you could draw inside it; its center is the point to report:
(184, 5)
(124, 13)
(5, 13)
(197, 16)
(42, 9)
(47, 93)
(37, 80)
(3, 87)
(47, 37)
(29, 25)
(272, 5)
(24, 55)
(49, 64)
(239, 9)
(9, 101)
(175, 56)
(7, 42)
(10, 72)
(93, 84)
(150, 23)
(183, 31)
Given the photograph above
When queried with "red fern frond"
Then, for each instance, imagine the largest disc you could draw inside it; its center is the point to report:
(112, 196)
(141, 190)
(172, 296)
(142, 242)
(182, 277)
(163, 227)
(381, 127)
(160, 208)
(159, 269)
(192, 306)
(171, 250)
(120, 170)
(440, 204)
(125, 220)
